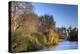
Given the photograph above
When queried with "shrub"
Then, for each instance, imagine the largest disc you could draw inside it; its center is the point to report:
(53, 37)
(26, 42)
(31, 41)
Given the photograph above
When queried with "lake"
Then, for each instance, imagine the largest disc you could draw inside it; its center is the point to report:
(63, 45)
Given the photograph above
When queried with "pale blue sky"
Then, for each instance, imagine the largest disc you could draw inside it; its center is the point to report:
(64, 15)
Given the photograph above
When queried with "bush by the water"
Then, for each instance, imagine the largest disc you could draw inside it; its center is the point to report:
(53, 36)
(31, 41)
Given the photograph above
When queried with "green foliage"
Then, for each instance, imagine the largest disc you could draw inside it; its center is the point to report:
(18, 42)
(28, 41)
(41, 38)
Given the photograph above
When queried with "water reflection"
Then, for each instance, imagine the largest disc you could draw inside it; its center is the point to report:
(64, 45)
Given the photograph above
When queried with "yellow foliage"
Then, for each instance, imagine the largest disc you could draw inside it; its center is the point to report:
(53, 36)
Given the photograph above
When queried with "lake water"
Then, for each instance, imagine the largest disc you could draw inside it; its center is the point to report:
(63, 45)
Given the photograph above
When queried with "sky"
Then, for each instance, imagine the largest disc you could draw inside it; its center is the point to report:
(64, 15)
